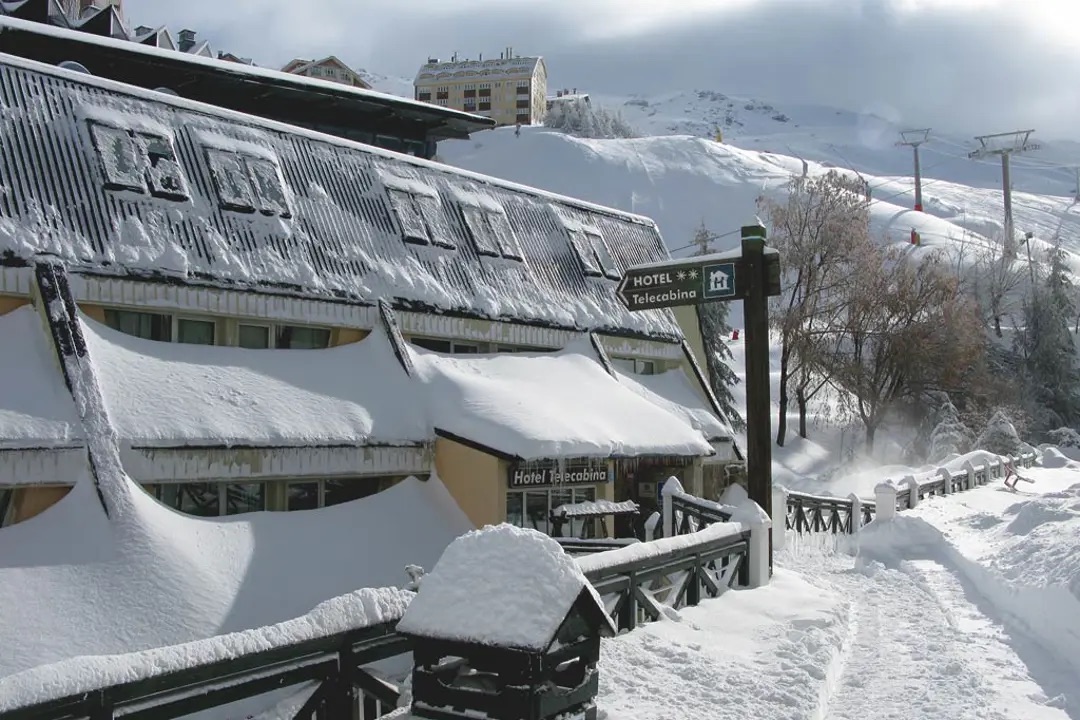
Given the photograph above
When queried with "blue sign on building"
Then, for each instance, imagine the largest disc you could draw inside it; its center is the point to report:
(719, 281)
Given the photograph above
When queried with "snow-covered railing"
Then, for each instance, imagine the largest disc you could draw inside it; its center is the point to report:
(332, 667)
(637, 581)
(585, 546)
(806, 513)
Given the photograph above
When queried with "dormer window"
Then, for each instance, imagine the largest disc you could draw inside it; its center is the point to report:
(488, 226)
(139, 161)
(591, 250)
(418, 209)
(246, 183)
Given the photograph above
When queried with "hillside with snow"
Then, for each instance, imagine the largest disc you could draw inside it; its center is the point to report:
(681, 181)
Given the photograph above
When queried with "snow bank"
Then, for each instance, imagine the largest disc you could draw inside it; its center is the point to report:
(37, 410)
(358, 609)
(500, 585)
(673, 391)
(155, 578)
(544, 405)
(168, 394)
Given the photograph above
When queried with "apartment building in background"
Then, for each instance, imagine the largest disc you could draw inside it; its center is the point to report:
(509, 89)
(329, 68)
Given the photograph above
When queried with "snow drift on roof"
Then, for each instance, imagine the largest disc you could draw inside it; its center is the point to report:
(152, 577)
(673, 391)
(37, 410)
(161, 394)
(501, 585)
(548, 405)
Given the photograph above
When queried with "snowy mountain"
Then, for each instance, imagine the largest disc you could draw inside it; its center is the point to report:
(389, 84)
(864, 141)
(682, 181)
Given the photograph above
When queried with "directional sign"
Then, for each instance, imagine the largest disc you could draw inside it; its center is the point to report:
(691, 282)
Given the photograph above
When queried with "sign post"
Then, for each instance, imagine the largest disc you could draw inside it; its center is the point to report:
(752, 275)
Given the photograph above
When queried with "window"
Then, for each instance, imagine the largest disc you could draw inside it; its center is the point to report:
(482, 105)
(213, 499)
(163, 328)
(6, 502)
(522, 105)
(491, 232)
(140, 162)
(148, 326)
(311, 494)
(446, 346)
(593, 253)
(442, 95)
(424, 96)
(253, 337)
(303, 496)
(634, 366)
(195, 332)
(297, 337)
(419, 217)
(248, 184)
(533, 508)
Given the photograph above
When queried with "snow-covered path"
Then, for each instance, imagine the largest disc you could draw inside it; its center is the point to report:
(920, 648)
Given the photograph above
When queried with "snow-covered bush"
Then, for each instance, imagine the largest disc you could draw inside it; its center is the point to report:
(950, 436)
(1000, 437)
(583, 119)
(1064, 437)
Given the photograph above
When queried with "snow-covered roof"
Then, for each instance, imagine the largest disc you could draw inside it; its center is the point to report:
(503, 585)
(549, 405)
(674, 391)
(37, 410)
(167, 394)
(250, 71)
(150, 577)
(492, 69)
(129, 185)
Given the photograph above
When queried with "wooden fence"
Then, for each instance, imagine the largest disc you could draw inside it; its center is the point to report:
(635, 579)
(807, 513)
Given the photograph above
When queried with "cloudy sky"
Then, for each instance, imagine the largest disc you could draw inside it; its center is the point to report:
(970, 66)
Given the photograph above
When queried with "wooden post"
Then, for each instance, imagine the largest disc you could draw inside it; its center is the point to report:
(758, 404)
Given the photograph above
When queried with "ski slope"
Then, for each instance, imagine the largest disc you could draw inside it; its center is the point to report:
(683, 181)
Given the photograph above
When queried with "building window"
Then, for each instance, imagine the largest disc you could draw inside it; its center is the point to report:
(449, 347)
(195, 332)
(424, 96)
(442, 95)
(247, 184)
(139, 162)
(635, 366)
(7, 496)
(299, 337)
(523, 104)
(520, 349)
(491, 232)
(253, 337)
(532, 509)
(418, 214)
(593, 253)
(485, 92)
(311, 494)
(148, 326)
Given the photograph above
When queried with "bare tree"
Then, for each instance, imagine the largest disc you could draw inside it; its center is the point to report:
(819, 227)
(996, 277)
(907, 329)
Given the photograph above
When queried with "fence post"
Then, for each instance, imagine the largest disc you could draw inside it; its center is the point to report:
(945, 475)
(671, 487)
(759, 570)
(885, 495)
(855, 516)
(969, 468)
(779, 516)
(913, 490)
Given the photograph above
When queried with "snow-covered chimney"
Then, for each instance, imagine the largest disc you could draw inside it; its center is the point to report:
(187, 40)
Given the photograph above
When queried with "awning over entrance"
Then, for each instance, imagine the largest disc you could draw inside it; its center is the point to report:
(549, 405)
(161, 394)
(675, 392)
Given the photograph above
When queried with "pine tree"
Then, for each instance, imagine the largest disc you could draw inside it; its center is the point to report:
(999, 437)
(1048, 349)
(713, 320)
(950, 436)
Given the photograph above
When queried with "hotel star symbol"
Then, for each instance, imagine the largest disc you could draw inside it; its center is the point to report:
(680, 275)
(692, 274)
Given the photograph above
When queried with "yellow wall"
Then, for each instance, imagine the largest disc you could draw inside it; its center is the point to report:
(11, 302)
(31, 501)
(476, 480)
(96, 312)
(344, 336)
